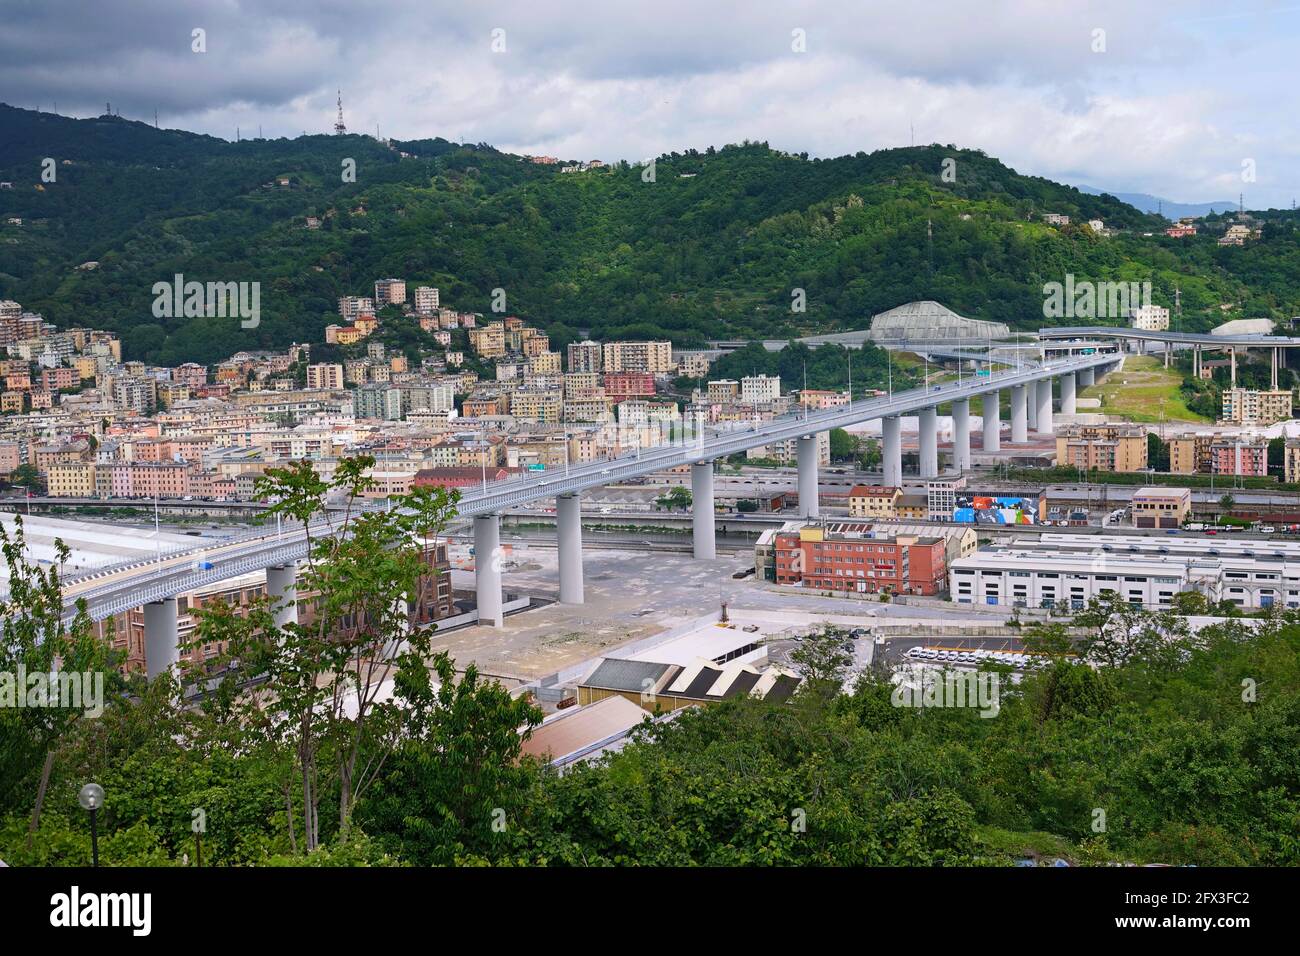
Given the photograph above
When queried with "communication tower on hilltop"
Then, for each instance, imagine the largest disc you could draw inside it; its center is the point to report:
(339, 127)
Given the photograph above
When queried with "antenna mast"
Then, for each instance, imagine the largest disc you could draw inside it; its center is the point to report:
(339, 127)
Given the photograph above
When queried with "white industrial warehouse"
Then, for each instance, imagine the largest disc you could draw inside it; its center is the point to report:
(1068, 571)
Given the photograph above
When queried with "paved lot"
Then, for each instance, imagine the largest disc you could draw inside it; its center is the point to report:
(631, 595)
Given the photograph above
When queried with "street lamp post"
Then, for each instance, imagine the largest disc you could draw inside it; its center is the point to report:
(91, 798)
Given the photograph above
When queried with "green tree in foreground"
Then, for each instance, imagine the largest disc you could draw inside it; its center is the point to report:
(326, 679)
(36, 640)
(823, 659)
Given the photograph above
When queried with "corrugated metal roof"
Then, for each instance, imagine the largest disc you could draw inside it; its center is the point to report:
(576, 730)
(614, 673)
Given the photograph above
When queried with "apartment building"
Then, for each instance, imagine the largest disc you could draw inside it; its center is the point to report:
(71, 480)
(378, 401)
(582, 385)
(43, 457)
(722, 390)
(426, 299)
(533, 342)
(489, 341)
(355, 371)
(545, 363)
(620, 386)
(1150, 318)
(1190, 454)
(437, 397)
(118, 479)
(1292, 460)
(53, 379)
(484, 405)
(584, 356)
(593, 410)
(1248, 406)
(11, 456)
(635, 412)
(693, 364)
(170, 394)
(852, 556)
(545, 406)
(653, 357)
(760, 389)
(941, 497)
(390, 292)
(820, 399)
(1118, 447)
(327, 376)
(1240, 456)
(135, 394)
(874, 501)
(191, 374)
(352, 307)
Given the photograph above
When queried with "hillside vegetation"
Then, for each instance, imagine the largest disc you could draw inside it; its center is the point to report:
(713, 246)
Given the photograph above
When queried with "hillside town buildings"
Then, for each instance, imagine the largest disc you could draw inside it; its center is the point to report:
(95, 426)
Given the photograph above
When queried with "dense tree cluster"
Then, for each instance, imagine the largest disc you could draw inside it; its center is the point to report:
(742, 241)
(1140, 740)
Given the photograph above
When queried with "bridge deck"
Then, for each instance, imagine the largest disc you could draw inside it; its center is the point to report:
(114, 590)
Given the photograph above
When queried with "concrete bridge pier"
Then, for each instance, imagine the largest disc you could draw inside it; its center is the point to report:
(961, 435)
(487, 569)
(993, 421)
(568, 525)
(703, 510)
(1019, 413)
(806, 457)
(891, 448)
(1044, 426)
(929, 435)
(282, 588)
(1087, 377)
(1068, 392)
(161, 650)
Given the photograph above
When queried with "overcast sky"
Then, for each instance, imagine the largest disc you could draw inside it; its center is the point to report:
(1171, 99)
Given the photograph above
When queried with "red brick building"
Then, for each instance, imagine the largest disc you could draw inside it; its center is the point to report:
(842, 556)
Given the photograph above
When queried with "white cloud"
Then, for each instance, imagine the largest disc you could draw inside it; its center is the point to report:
(1174, 103)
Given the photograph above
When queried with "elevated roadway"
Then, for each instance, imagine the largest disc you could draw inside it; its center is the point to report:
(156, 584)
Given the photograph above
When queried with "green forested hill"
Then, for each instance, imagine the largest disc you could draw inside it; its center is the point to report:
(712, 247)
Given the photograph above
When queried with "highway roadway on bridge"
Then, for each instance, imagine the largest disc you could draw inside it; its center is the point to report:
(115, 590)
(1168, 335)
